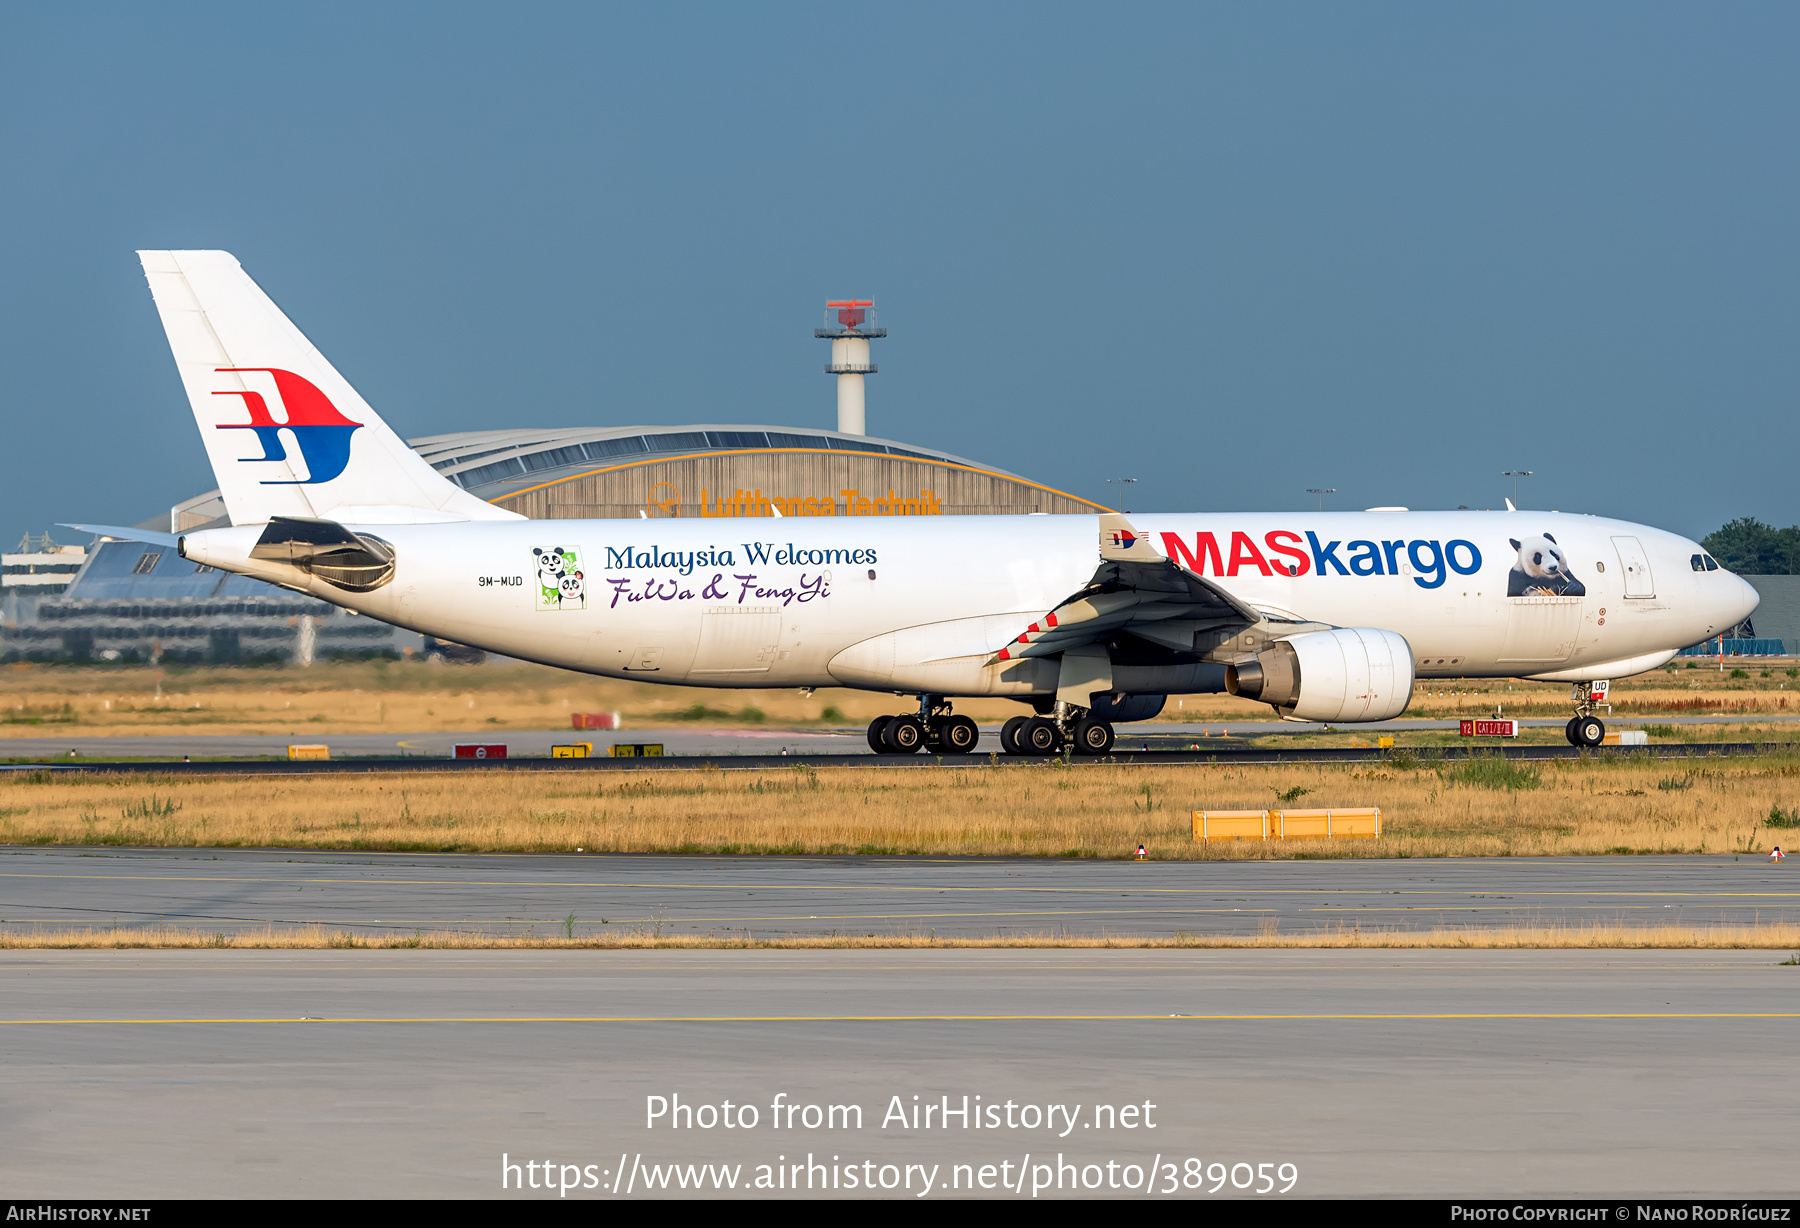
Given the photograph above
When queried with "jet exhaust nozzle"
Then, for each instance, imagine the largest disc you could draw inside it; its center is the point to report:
(1244, 679)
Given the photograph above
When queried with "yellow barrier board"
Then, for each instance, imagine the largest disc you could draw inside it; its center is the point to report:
(1347, 823)
(575, 750)
(1231, 824)
(309, 752)
(633, 750)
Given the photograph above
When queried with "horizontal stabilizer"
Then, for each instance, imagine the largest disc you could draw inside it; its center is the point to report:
(149, 537)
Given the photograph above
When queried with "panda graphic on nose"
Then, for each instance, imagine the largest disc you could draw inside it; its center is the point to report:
(1541, 570)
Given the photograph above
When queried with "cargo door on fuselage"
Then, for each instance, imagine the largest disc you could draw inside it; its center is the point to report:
(1461, 632)
(738, 640)
(1540, 630)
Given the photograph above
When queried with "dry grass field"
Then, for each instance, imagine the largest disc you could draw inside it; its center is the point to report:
(1771, 937)
(398, 697)
(1624, 804)
(415, 697)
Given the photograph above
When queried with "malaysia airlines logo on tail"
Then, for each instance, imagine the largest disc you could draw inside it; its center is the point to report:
(1124, 540)
(320, 431)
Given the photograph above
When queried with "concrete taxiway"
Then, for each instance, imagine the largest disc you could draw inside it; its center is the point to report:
(1616, 1075)
(770, 897)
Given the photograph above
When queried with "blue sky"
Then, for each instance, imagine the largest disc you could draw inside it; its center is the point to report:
(1232, 251)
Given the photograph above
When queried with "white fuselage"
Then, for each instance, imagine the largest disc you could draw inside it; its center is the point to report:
(763, 602)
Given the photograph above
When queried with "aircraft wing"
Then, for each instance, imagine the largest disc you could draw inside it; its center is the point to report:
(1137, 590)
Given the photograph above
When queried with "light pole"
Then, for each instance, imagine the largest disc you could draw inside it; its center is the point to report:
(1122, 483)
(1321, 491)
(1515, 475)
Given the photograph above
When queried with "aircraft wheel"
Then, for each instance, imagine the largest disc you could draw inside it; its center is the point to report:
(1009, 735)
(1040, 736)
(904, 735)
(958, 735)
(1590, 730)
(1569, 731)
(875, 728)
(1093, 737)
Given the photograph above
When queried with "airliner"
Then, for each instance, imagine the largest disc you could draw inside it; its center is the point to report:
(1087, 621)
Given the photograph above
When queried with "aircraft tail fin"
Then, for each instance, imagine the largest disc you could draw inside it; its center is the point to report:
(286, 434)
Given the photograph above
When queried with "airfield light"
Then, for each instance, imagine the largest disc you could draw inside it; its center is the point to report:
(1321, 491)
(1121, 483)
(1515, 475)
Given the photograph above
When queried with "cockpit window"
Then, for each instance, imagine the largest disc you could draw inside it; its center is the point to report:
(1698, 562)
(1712, 564)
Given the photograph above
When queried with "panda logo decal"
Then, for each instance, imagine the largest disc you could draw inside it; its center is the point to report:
(1541, 570)
(561, 583)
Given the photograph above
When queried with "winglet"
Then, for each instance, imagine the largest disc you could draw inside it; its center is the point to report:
(1121, 543)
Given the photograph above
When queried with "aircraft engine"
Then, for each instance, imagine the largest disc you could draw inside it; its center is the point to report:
(1347, 674)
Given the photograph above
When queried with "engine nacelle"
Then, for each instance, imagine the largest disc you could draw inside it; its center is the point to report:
(1347, 674)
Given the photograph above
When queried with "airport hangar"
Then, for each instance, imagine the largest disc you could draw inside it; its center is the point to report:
(709, 472)
(724, 471)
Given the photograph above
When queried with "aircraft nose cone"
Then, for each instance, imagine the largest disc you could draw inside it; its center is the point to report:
(1748, 598)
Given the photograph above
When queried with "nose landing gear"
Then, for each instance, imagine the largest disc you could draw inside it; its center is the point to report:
(1584, 728)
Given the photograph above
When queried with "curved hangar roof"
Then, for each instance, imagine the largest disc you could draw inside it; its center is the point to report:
(701, 470)
(713, 470)
(509, 461)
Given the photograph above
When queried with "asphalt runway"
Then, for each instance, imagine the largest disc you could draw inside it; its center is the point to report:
(688, 741)
(769, 897)
(357, 1074)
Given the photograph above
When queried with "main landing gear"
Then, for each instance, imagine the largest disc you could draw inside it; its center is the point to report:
(933, 729)
(1077, 728)
(1584, 728)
